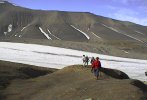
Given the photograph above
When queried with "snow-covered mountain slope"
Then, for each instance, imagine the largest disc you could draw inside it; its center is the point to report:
(55, 57)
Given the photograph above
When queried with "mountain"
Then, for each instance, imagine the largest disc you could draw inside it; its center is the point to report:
(78, 28)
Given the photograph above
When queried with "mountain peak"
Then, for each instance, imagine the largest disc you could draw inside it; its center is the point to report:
(2, 2)
(5, 2)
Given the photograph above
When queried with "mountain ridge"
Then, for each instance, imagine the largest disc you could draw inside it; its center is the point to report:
(84, 20)
(13, 4)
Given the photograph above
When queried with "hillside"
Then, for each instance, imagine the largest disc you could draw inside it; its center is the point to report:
(76, 30)
(11, 71)
(69, 26)
(74, 83)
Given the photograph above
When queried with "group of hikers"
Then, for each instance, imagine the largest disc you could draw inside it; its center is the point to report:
(95, 65)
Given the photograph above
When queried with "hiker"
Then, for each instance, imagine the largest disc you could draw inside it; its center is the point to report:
(84, 60)
(92, 60)
(96, 65)
(87, 60)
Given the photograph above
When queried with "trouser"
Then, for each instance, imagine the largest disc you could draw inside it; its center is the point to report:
(84, 64)
(96, 72)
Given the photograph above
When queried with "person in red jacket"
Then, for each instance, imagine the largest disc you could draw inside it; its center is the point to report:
(96, 65)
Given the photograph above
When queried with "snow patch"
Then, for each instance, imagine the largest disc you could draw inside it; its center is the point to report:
(111, 28)
(20, 36)
(134, 38)
(5, 33)
(44, 33)
(55, 57)
(139, 32)
(96, 35)
(25, 27)
(81, 32)
(124, 34)
(105, 25)
(10, 28)
(17, 34)
(2, 2)
(53, 34)
(125, 51)
(14, 4)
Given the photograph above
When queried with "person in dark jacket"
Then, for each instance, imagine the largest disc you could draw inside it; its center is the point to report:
(87, 60)
(96, 65)
(92, 60)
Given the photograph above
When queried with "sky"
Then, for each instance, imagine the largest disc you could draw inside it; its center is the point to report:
(126, 10)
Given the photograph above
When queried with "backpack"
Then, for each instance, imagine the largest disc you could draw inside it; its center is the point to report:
(87, 59)
(84, 59)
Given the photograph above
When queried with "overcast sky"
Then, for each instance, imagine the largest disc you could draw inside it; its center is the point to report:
(127, 10)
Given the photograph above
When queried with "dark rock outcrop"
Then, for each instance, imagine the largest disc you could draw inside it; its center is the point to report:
(115, 73)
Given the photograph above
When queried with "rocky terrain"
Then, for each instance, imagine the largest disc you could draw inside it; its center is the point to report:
(15, 71)
(25, 82)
